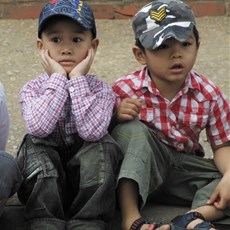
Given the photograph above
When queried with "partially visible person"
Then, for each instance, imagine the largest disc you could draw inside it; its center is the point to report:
(162, 109)
(4, 119)
(10, 176)
(68, 159)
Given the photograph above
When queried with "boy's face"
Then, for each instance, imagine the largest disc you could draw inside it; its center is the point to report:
(170, 63)
(67, 42)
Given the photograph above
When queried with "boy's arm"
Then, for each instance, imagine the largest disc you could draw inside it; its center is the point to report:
(42, 102)
(221, 196)
(92, 104)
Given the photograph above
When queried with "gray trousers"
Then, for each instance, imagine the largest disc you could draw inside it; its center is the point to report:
(68, 188)
(162, 173)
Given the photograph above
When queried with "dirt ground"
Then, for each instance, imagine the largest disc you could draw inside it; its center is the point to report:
(20, 62)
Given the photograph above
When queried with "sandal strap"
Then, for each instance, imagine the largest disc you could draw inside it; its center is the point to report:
(137, 224)
(184, 220)
(204, 225)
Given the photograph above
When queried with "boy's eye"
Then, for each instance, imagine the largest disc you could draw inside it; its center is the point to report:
(76, 40)
(162, 46)
(186, 44)
(56, 40)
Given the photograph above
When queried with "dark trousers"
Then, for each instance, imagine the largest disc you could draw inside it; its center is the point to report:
(10, 178)
(68, 188)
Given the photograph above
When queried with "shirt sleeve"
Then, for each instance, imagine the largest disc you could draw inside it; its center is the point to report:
(4, 120)
(42, 103)
(218, 130)
(92, 104)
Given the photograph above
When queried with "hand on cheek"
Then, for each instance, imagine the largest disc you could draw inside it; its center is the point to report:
(50, 65)
(82, 68)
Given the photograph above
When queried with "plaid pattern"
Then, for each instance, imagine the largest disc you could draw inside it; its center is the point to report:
(61, 109)
(198, 105)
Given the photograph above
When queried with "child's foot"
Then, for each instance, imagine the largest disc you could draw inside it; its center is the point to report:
(191, 220)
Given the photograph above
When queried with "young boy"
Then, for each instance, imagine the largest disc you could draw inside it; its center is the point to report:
(166, 105)
(10, 178)
(67, 159)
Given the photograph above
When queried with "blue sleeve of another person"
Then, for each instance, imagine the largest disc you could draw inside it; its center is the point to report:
(4, 119)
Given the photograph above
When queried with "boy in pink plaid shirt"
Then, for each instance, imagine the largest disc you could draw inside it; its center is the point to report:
(68, 160)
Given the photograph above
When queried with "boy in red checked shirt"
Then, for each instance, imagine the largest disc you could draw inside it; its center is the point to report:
(161, 110)
(67, 159)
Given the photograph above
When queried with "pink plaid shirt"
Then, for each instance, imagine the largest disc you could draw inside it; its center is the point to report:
(178, 123)
(60, 108)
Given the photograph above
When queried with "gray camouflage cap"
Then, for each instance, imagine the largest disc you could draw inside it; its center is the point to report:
(163, 19)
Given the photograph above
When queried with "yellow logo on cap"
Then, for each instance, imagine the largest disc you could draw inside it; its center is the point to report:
(79, 8)
(158, 15)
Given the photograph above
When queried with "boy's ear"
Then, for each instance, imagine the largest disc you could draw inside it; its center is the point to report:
(95, 43)
(139, 55)
(198, 44)
(39, 45)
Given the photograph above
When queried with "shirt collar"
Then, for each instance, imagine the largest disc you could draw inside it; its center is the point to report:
(192, 82)
(144, 82)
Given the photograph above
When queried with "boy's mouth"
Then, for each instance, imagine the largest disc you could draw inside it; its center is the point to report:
(66, 62)
(177, 68)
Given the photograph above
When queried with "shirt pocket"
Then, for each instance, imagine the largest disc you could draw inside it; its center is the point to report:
(195, 121)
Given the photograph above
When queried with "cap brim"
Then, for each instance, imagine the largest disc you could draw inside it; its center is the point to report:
(154, 38)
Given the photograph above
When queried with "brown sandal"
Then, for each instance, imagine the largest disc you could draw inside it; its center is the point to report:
(138, 223)
(181, 222)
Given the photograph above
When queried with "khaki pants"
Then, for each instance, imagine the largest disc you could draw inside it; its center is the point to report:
(160, 171)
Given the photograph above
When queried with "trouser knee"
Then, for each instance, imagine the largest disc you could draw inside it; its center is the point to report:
(128, 129)
(10, 175)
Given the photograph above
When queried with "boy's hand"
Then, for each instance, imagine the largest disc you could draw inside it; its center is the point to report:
(221, 196)
(128, 109)
(82, 68)
(50, 65)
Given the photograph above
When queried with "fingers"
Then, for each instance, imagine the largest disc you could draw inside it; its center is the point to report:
(218, 200)
(213, 198)
(135, 102)
(50, 65)
(82, 68)
(129, 109)
(220, 203)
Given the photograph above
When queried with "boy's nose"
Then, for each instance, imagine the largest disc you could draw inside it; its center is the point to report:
(176, 55)
(66, 50)
(66, 47)
(176, 51)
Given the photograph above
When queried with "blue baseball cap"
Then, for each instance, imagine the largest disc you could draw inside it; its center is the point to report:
(161, 20)
(74, 9)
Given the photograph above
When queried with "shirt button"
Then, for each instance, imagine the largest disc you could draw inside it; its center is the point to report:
(71, 89)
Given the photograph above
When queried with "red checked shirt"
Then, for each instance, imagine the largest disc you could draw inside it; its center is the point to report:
(198, 105)
(61, 109)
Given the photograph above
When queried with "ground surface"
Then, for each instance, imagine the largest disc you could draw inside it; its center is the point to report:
(20, 62)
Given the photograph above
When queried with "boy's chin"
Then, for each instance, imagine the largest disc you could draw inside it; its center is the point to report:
(68, 70)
